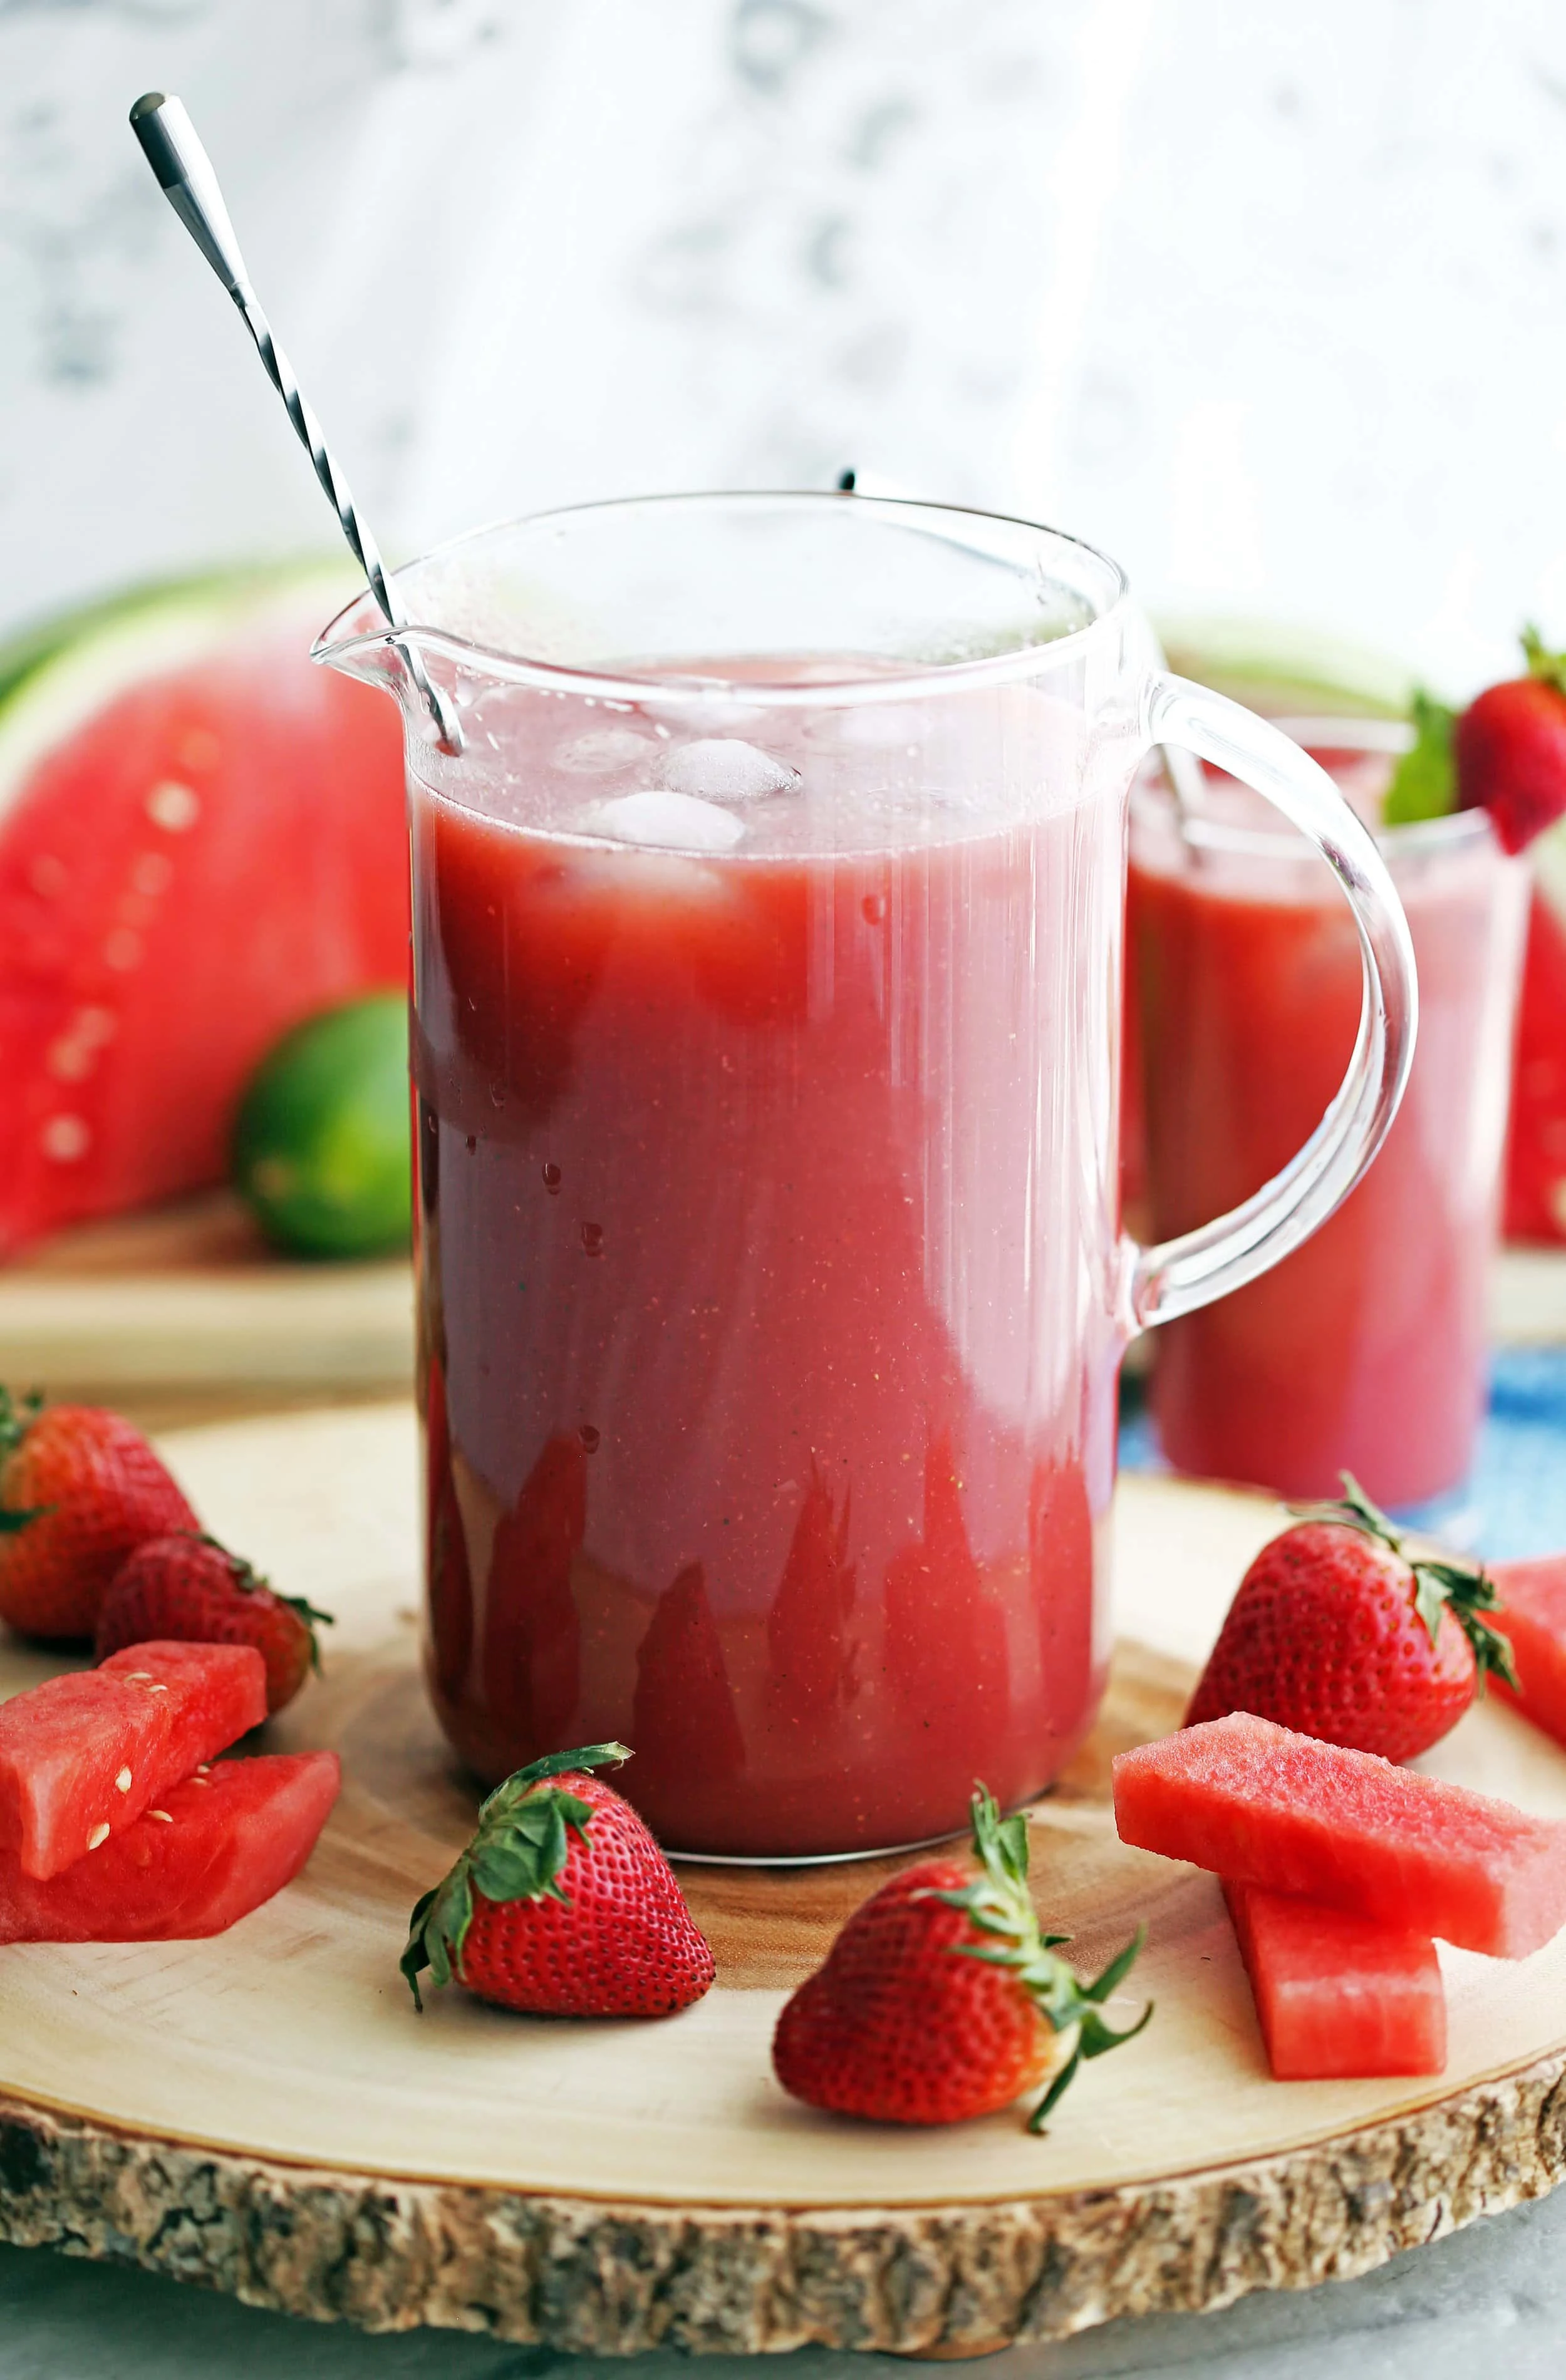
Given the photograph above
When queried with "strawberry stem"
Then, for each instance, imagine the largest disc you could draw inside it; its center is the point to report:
(1542, 664)
(998, 1903)
(1464, 1589)
(518, 1852)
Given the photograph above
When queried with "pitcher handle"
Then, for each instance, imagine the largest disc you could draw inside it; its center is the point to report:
(1177, 1275)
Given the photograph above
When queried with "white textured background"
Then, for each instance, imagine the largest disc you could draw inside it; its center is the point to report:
(1267, 297)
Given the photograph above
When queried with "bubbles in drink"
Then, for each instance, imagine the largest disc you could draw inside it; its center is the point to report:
(666, 822)
(723, 768)
(602, 752)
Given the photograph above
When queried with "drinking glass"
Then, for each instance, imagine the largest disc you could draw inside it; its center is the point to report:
(1365, 1351)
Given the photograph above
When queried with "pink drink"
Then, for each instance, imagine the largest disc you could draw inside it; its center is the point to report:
(767, 1236)
(1364, 1350)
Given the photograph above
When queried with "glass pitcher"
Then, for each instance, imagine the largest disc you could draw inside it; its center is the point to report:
(767, 969)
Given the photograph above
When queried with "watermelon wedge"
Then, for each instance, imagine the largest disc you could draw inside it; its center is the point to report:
(201, 842)
(1533, 1612)
(1265, 1806)
(1536, 1155)
(1336, 1994)
(82, 1755)
(209, 1853)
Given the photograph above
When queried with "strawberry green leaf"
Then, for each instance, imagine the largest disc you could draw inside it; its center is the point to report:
(10, 1522)
(1423, 783)
(518, 1853)
(999, 1905)
(17, 1418)
(1469, 1594)
(1543, 664)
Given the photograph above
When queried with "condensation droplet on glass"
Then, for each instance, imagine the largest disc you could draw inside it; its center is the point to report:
(472, 1143)
(873, 906)
(592, 1239)
(497, 1094)
(552, 1180)
(590, 1438)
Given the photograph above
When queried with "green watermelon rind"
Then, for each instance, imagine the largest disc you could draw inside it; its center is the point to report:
(60, 675)
(1287, 672)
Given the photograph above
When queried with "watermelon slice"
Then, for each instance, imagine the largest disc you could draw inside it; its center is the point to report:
(201, 842)
(1336, 1994)
(1261, 1804)
(210, 1852)
(1533, 1612)
(84, 1755)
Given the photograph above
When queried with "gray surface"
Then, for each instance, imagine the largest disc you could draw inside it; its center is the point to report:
(1439, 2314)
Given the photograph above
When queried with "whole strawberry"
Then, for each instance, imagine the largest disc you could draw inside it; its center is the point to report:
(1337, 1632)
(941, 2000)
(1510, 749)
(78, 1489)
(561, 1904)
(190, 1588)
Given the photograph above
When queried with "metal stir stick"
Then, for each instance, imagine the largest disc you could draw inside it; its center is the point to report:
(189, 183)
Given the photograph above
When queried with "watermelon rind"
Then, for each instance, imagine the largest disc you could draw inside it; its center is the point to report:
(57, 676)
(1287, 672)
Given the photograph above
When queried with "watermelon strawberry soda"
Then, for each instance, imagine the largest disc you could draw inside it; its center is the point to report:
(1364, 1350)
(765, 1067)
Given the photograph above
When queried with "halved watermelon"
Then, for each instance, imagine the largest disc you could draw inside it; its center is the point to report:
(82, 1755)
(1337, 1993)
(201, 842)
(209, 1853)
(1265, 1806)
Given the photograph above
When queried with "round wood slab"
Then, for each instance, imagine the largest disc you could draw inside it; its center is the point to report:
(266, 2113)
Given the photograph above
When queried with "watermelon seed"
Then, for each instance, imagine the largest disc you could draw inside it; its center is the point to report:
(65, 1138)
(100, 1835)
(124, 1780)
(162, 1816)
(173, 807)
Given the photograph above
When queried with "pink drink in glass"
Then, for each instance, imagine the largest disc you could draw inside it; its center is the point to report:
(772, 1379)
(1364, 1350)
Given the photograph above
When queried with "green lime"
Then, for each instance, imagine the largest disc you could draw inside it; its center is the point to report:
(321, 1143)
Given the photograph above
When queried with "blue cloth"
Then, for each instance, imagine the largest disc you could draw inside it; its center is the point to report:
(1516, 1502)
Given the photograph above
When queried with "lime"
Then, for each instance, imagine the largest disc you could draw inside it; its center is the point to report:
(321, 1143)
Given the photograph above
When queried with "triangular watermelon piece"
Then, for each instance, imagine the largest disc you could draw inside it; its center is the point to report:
(201, 842)
(83, 1755)
(209, 1853)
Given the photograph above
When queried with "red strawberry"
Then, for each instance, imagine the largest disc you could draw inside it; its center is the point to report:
(190, 1588)
(941, 2000)
(533, 1920)
(78, 1489)
(1510, 749)
(1337, 1632)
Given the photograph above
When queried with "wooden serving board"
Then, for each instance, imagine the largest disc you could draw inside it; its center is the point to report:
(185, 1307)
(266, 2113)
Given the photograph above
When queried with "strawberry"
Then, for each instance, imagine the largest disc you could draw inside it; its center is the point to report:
(78, 1489)
(189, 1588)
(532, 1919)
(1336, 1631)
(1510, 749)
(941, 2000)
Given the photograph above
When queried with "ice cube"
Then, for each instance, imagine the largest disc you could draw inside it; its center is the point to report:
(601, 751)
(668, 821)
(723, 768)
